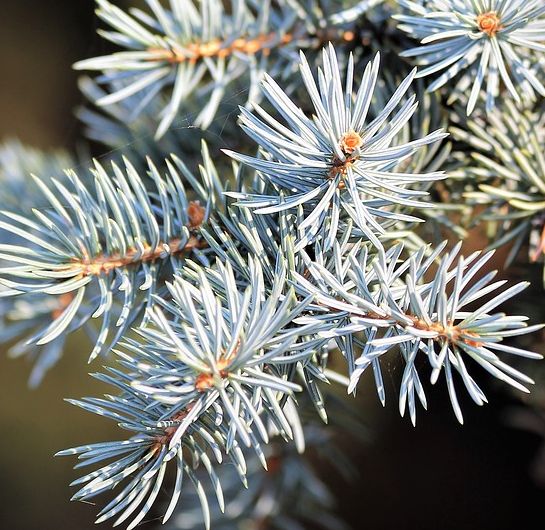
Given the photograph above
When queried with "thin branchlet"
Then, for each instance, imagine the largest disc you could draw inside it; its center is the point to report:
(104, 265)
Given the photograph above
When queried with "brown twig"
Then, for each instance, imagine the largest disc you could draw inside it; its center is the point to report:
(265, 43)
(103, 264)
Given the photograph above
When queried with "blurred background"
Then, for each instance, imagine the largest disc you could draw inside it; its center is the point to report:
(438, 475)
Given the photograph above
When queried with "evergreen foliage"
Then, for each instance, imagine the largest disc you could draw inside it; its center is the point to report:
(229, 292)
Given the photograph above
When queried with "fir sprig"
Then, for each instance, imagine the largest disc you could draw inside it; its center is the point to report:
(202, 48)
(507, 167)
(223, 345)
(395, 305)
(336, 164)
(482, 42)
(97, 254)
(138, 465)
(20, 319)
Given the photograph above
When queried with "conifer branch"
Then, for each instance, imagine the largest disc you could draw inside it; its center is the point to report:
(223, 316)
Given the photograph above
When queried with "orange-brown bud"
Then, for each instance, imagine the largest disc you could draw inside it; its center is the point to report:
(196, 214)
(350, 141)
(489, 23)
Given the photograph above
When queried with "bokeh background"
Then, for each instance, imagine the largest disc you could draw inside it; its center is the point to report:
(435, 476)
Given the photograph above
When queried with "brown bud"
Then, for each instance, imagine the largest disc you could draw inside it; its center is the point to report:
(350, 141)
(196, 213)
(489, 23)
